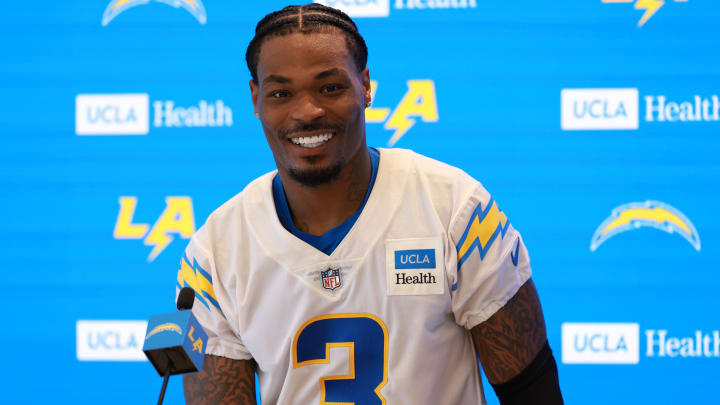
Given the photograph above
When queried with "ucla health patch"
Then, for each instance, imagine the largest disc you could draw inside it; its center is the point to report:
(414, 266)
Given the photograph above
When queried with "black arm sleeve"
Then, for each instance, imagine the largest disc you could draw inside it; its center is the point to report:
(538, 384)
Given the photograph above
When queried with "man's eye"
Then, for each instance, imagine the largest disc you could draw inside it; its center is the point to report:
(279, 94)
(332, 88)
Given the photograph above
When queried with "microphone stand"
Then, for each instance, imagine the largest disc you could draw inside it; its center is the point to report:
(165, 381)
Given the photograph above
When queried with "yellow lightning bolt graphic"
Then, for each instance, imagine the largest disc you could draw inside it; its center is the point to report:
(483, 231)
(650, 6)
(401, 124)
(177, 218)
(419, 101)
(656, 214)
(159, 240)
(189, 276)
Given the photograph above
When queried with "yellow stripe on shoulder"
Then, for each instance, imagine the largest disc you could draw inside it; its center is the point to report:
(482, 230)
(195, 277)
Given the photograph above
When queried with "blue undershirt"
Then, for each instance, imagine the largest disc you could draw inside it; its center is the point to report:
(327, 242)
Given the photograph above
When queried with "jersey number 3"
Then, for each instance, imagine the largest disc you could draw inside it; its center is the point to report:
(366, 338)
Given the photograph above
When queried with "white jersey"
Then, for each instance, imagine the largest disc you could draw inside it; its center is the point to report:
(385, 318)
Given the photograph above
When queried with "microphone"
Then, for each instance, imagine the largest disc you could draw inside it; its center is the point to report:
(186, 298)
(175, 342)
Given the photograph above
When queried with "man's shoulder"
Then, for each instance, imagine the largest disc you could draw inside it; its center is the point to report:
(426, 169)
(449, 189)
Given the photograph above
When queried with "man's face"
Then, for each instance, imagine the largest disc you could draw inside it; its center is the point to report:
(311, 102)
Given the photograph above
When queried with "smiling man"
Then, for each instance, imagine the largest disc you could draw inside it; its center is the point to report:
(353, 274)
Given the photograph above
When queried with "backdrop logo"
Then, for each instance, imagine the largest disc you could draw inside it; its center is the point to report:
(177, 218)
(650, 7)
(586, 109)
(165, 327)
(600, 343)
(116, 7)
(360, 8)
(599, 109)
(110, 340)
(433, 4)
(699, 109)
(204, 114)
(700, 344)
(381, 8)
(129, 114)
(619, 343)
(111, 114)
(419, 101)
(652, 214)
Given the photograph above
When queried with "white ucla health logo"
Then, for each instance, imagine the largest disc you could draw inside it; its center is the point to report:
(600, 343)
(584, 109)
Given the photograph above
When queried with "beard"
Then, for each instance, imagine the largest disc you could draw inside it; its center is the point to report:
(317, 176)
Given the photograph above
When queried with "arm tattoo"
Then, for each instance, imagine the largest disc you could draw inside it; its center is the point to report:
(222, 381)
(509, 341)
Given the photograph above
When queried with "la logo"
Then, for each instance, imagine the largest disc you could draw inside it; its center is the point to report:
(177, 218)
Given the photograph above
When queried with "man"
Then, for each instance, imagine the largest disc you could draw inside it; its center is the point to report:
(356, 275)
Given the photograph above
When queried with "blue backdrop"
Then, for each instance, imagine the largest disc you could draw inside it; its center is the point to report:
(125, 123)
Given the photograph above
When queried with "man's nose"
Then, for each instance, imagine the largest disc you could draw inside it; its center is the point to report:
(307, 109)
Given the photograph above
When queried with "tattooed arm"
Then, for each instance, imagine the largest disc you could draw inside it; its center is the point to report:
(511, 339)
(221, 381)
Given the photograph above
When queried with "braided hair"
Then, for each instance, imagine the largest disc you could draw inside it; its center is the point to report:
(310, 18)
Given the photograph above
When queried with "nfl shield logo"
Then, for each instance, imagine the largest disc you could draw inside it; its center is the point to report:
(330, 278)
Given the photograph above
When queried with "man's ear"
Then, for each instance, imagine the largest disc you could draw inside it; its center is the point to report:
(366, 86)
(254, 88)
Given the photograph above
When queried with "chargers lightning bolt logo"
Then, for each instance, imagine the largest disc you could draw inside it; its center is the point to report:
(195, 7)
(197, 278)
(164, 327)
(484, 226)
(481, 231)
(649, 6)
(654, 214)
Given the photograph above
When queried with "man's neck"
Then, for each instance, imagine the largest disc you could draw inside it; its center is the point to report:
(318, 209)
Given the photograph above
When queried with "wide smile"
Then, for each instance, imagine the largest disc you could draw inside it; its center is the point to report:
(312, 141)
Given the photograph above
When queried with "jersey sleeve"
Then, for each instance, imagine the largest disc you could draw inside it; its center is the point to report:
(492, 262)
(211, 307)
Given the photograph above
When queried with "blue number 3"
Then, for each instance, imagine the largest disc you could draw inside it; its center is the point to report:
(366, 338)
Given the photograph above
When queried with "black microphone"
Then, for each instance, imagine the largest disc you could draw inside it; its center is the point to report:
(186, 299)
(175, 342)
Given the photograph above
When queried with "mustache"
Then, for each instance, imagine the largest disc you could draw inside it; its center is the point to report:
(315, 126)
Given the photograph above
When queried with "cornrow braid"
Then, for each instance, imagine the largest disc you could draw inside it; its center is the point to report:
(310, 18)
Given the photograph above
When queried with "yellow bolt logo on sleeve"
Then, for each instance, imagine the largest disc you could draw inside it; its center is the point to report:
(482, 230)
(193, 276)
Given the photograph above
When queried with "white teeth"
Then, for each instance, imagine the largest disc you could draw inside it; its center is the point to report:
(312, 141)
